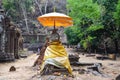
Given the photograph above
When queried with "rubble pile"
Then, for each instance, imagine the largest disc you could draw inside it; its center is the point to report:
(50, 69)
(73, 58)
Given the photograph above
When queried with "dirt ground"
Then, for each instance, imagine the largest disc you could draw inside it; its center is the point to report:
(25, 71)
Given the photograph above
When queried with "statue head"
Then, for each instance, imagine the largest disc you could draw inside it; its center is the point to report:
(54, 31)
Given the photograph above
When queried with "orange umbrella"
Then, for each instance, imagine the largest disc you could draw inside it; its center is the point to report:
(55, 19)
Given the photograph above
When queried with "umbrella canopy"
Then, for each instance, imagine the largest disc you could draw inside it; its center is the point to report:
(55, 19)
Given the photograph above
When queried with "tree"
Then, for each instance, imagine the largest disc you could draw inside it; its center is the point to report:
(116, 34)
(109, 20)
(86, 15)
(96, 18)
(18, 7)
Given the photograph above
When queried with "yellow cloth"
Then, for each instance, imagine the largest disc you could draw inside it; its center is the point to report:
(56, 55)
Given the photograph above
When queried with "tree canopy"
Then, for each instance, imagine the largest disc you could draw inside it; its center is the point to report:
(86, 15)
(93, 19)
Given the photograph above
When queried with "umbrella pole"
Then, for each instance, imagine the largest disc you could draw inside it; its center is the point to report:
(54, 24)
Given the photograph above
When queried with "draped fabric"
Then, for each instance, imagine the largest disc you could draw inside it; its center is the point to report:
(55, 54)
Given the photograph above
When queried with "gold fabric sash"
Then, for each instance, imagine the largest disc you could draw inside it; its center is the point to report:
(56, 55)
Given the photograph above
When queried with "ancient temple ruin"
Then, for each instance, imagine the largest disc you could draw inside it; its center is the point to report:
(9, 38)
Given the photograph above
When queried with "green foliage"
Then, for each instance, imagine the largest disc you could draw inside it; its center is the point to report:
(13, 8)
(93, 28)
(116, 34)
(111, 19)
(87, 42)
(72, 35)
(117, 14)
(9, 7)
(86, 15)
(83, 9)
(93, 19)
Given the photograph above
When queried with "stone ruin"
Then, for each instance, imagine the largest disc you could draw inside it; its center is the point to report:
(10, 39)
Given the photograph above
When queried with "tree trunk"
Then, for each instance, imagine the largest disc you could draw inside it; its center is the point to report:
(46, 3)
(116, 45)
(38, 4)
(25, 15)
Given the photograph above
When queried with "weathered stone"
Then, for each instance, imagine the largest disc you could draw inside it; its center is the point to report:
(73, 58)
(118, 77)
(12, 68)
